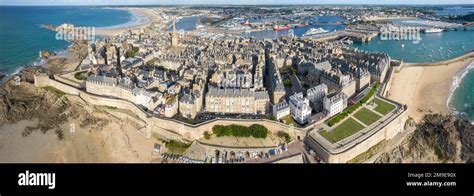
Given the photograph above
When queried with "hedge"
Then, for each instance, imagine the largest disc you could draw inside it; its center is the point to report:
(371, 93)
(256, 131)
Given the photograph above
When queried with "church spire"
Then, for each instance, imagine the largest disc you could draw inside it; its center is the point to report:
(174, 26)
(174, 36)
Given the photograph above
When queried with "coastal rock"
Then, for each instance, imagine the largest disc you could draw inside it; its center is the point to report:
(76, 52)
(56, 65)
(28, 73)
(439, 138)
(51, 108)
(466, 133)
(46, 54)
(26, 102)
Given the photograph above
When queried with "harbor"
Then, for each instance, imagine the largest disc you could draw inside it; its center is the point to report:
(432, 46)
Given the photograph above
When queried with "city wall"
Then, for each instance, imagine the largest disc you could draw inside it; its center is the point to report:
(173, 129)
(389, 131)
(386, 133)
(69, 82)
(43, 81)
(176, 130)
(167, 128)
(388, 84)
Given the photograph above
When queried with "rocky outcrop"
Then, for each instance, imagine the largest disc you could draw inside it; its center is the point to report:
(28, 73)
(466, 135)
(56, 65)
(25, 102)
(47, 105)
(46, 54)
(438, 138)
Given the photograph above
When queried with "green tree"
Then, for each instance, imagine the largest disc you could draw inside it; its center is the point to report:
(207, 135)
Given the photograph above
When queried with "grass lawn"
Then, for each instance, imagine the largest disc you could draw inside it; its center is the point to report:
(343, 130)
(177, 147)
(56, 91)
(109, 107)
(82, 75)
(383, 107)
(284, 135)
(366, 116)
(335, 119)
(289, 120)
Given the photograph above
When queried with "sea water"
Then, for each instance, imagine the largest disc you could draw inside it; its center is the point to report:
(21, 37)
(462, 98)
(436, 47)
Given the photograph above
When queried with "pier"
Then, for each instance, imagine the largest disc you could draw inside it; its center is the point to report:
(359, 36)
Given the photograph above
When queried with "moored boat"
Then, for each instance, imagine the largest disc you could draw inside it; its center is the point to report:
(433, 30)
(281, 28)
(314, 31)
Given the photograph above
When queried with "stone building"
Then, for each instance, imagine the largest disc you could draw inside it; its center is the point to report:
(336, 80)
(281, 110)
(299, 108)
(187, 106)
(245, 101)
(334, 104)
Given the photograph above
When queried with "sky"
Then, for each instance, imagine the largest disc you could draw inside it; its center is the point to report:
(240, 2)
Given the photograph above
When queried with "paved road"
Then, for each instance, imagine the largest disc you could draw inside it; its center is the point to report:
(294, 148)
(296, 84)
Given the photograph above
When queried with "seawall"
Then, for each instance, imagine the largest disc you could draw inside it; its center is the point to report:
(175, 130)
(167, 128)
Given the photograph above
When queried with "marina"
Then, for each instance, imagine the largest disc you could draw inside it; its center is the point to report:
(432, 47)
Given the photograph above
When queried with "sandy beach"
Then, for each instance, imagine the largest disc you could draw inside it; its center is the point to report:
(425, 87)
(143, 12)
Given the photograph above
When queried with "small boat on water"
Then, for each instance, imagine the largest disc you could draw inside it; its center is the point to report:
(314, 31)
(433, 30)
(281, 28)
(348, 41)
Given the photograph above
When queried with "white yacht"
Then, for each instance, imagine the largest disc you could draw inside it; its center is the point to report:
(314, 31)
(433, 30)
